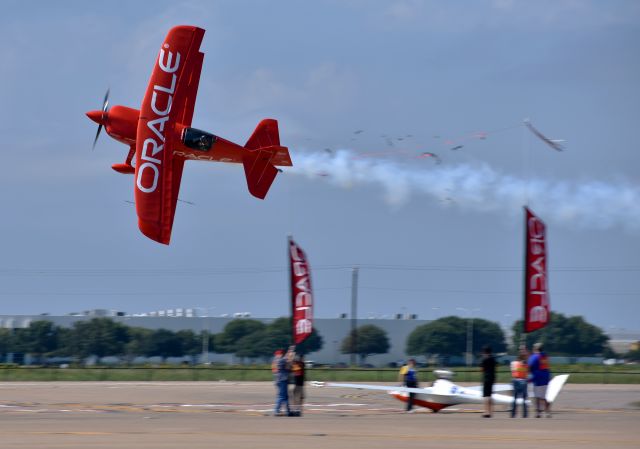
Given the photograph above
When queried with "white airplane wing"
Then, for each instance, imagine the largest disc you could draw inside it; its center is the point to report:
(380, 387)
(496, 387)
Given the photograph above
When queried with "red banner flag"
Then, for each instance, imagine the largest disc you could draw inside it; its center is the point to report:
(301, 294)
(536, 293)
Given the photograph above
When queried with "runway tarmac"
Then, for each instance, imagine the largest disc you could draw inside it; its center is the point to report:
(195, 415)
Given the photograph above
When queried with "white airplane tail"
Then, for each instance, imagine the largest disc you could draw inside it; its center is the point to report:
(555, 386)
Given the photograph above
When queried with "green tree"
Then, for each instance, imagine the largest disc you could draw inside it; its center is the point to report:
(39, 339)
(278, 336)
(313, 343)
(190, 342)
(227, 341)
(261, 341)
(448, 336)
(66, 343)
(99, 337)
(6, 339)
(567, 336)
(253, 345)
(164, 343)
(139, 343)
(442, 336)
(365, 341)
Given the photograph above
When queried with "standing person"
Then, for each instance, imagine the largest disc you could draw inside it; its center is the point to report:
(298, 369)
(488, 366)
(519, 375)
(402, 373)
(274, 364)
(283, 369)
(411, 381)
(540, 375)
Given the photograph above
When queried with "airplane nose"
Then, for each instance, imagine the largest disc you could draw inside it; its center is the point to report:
(96, 116)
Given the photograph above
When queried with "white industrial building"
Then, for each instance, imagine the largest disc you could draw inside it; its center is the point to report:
(332, 330)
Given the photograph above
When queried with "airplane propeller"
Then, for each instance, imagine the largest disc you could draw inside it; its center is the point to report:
(105, 110)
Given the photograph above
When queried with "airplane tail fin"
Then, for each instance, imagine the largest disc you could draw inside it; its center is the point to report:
(555, 386)
(265, 153)
(265, 135)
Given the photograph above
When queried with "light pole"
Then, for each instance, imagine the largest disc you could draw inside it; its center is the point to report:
(205, 334)
(354, 314)
(507, 331)
(469, 354)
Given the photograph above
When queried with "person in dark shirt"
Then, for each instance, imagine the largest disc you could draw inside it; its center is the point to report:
(411, 381)
(297, 369)
(488, 366)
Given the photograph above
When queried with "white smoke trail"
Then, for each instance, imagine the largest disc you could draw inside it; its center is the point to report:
(590, 205)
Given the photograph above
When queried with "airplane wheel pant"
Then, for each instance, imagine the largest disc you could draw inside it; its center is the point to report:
(519, 390)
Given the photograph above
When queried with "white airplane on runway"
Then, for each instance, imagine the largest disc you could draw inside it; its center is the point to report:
(444, 393)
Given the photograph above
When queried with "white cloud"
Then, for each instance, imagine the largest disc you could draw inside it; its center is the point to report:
(324, 87)
(404, 10)
(460, 17)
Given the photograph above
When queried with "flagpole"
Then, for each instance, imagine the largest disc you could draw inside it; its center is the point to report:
(526, 156)
(289, 239)
(526, 162)
(354, 313)
(524, 284)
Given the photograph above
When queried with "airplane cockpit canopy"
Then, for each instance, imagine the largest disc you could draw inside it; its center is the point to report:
(197, 139)
(443, 374)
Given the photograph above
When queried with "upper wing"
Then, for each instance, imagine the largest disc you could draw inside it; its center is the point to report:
(169, 100)
(185, 99)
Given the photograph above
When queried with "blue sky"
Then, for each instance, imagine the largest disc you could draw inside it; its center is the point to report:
(429, 238)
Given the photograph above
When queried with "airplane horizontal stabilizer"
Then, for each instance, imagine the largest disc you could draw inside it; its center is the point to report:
(555, 386)
(260, 172)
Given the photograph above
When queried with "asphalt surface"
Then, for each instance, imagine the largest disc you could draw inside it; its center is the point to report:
(237, 415)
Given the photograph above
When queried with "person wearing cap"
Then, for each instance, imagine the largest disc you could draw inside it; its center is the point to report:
(519, 375)
(540, 376)
(274, 363)
(282, 369)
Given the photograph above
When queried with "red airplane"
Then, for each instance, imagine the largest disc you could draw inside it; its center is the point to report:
(161, 138)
